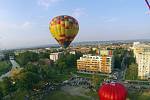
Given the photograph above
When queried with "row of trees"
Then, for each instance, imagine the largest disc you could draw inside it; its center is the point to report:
(120, 54)
(24, 58)
(130, 59)
(132, 67)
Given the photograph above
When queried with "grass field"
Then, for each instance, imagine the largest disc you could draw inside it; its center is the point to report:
(56, 95)
(139, 96)
(59, 95)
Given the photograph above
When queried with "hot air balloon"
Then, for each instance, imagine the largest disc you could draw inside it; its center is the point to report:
(147, 4)
(64, 29)
(112, 91)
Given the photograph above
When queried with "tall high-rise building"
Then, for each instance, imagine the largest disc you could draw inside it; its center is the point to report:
(101, 63)
(142, 54)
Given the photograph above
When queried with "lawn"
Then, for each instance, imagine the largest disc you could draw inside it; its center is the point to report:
(60, 95)
(139, 96)
(60, 78)
(5, 66)
(90, 75)
(55, 95)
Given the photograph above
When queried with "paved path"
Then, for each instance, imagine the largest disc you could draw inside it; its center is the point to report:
(102, 74)
(14, 66)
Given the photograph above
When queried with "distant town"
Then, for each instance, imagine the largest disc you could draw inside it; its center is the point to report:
(42, 72)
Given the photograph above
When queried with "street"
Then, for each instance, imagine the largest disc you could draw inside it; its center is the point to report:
(14, 66)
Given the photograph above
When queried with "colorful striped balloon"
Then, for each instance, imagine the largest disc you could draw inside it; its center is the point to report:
(112, 91)
(64, 29)
(147, 4)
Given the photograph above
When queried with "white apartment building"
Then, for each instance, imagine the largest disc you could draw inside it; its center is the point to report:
(55, 56)
(142, 54)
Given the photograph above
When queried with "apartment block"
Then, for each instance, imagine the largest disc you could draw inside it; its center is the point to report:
(142, 54)
(89, 63)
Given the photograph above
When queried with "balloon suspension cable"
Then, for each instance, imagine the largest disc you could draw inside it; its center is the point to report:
(147, 4)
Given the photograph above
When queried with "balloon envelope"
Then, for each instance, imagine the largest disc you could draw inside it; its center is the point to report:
(147, 4)
(64, 29)
(112, 91)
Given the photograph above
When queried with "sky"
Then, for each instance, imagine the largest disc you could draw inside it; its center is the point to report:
(25, 23)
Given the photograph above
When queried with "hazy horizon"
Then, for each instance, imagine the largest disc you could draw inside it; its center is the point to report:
(25, 23)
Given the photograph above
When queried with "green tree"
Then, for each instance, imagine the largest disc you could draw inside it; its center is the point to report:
(31, 68)
(62, 66)
(27, 80)
(1, 93)
(117, 62)
(78, 55)
(44, 55)
(8, 85)
(70, 60)
(132, 72)
(119, 53)
(27, 57)
(46, 72)
(130, 59)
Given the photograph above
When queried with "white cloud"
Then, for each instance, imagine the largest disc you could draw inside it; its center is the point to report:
(78, 12)
(26, 25)
(9, 26)
(47, 3)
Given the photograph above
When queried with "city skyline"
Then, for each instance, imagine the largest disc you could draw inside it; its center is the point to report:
(25, 23)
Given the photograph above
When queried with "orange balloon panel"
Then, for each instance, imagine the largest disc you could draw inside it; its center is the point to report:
(64, 29)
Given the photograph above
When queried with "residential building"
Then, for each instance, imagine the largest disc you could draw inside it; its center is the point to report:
(89, 63)
(142, 54)
(55, 56)
(72, 52)
(18, 52)
(84, 50)
(2, 56)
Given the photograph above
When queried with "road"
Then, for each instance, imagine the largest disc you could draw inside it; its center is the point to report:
(130, 84)
(102, 74)
(8, 74)
(14, 64)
